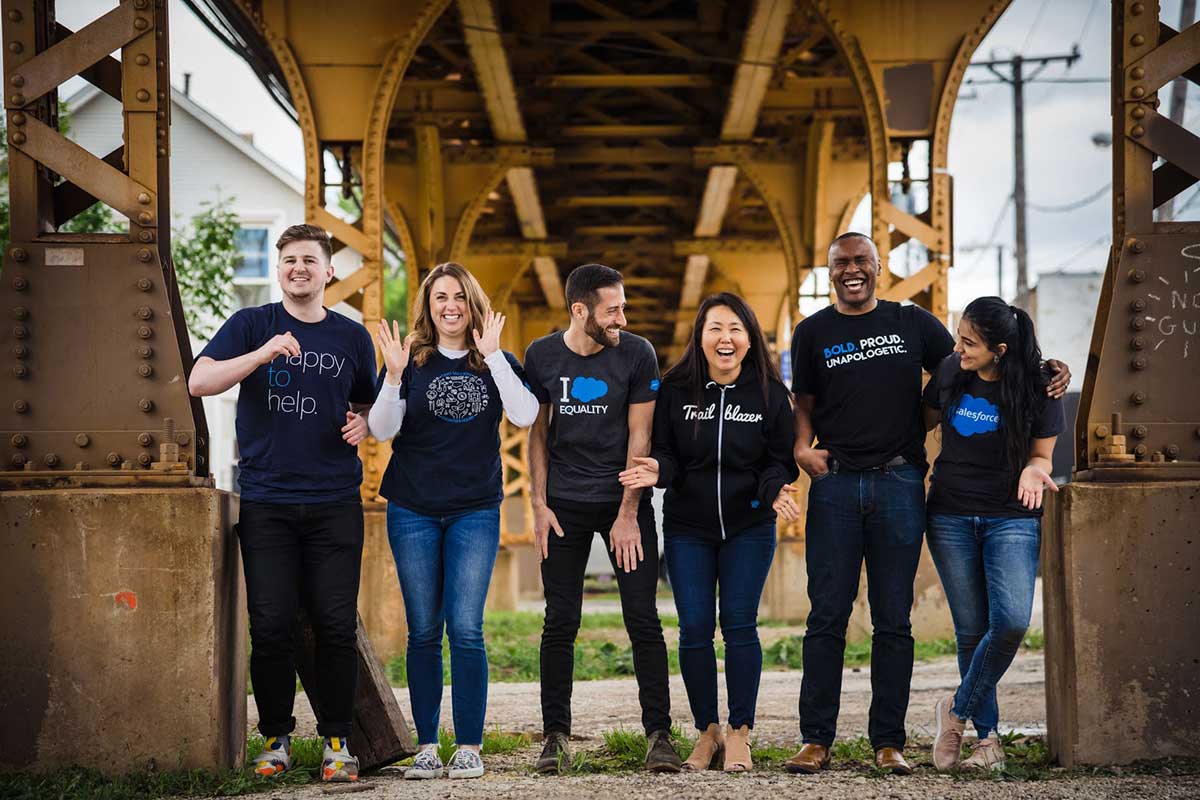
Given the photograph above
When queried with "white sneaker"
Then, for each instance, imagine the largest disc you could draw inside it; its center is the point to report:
(987, 754)
(426, 765)
(275, 759)
(465, 764)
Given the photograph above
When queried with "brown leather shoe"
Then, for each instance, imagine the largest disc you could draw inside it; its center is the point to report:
(892, 760)
(812, 758)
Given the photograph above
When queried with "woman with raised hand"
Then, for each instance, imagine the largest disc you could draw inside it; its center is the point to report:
(985, 507)
(441, 394)
(722, 449)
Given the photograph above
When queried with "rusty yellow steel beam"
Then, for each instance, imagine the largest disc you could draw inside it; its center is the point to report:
(624, 81)
(622, 201)
(627, 131)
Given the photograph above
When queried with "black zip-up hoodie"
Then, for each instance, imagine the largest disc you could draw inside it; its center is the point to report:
(730, 444)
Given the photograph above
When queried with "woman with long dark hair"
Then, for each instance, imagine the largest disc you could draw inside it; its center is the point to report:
(722, 449)
(440, 396)
(985, 506)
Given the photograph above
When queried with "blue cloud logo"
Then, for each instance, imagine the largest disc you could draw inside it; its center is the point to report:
(654, 384)
(585, 390)
(754, 504)
(975, 415)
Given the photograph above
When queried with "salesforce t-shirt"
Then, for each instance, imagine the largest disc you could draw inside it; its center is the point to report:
(589, 398)
(446, 457)
(290, 413)
(865, 373)
(971, 475)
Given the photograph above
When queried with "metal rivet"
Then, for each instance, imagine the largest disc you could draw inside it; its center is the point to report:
(143, 198)
(145, 439)
(162, 64)
(1101, 431)
(16, 47)
(18, 137)
(20, 351)
(145, 350)
(1136, 9)
(1139, 362)
(145, 218)
(144, 331)
(1137, 323)
(21, 371)
(1137, 275)
(199, 441)
(144, 312)
(199, 461)
(144, 459)
(1137, 40)
(1137, 73)
(18, 118)
(1172, 451)
(143, 95)
(146, 236)
(51, 460)
(1138, 91)
(18, 460)
(20, 331)
(1138, 343)
(144, 284)
(113, 459)
(143, 254)
(1138, 305)
(14, 16)
(1137, 132)
(17, 80)
(141, 59)
(145, 405)
(1138, 397)
(140, 4)
(82, 440)
(1138, 113)
(141, 24)
(21, 406)
(18, 99)
(19, 440)
(1141, 450)
(145, 370)
(162, 151)
(19, 254)
(162, 133)
(182, 439)
(20, 312)
(1139, 431)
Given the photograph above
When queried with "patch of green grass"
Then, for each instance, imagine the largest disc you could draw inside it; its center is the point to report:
(1034, 640)
(855, 751)
(623, 751)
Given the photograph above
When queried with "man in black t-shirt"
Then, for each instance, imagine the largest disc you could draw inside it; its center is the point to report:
(856, 373)
(596, 385)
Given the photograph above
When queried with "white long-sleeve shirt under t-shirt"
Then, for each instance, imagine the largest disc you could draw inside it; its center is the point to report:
(520, 404)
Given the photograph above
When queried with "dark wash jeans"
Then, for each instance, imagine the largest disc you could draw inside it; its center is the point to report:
(302, 555)
(739, 566)
(988, 566)
(562, 579)
(878, 515)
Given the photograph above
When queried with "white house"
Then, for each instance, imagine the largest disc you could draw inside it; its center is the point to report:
(210, 161)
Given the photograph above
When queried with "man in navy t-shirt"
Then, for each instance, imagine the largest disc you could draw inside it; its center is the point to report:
(305, 373)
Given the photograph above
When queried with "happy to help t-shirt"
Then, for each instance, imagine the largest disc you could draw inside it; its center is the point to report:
(446, 457)
(865, 372)
(589, 398)
(971, 475)
(291, 412)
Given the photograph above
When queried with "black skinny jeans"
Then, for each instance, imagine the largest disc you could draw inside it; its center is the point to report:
(562, 578)
(308, 553)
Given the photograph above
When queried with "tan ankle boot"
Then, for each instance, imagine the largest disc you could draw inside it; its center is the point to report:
(737, 749)
(708, 750)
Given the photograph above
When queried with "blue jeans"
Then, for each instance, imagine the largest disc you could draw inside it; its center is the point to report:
(876, 515)
(988, 566)
(445, 566)
(739, 565)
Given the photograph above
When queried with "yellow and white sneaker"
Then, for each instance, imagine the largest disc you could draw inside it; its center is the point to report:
(275, 759)
(338, 766)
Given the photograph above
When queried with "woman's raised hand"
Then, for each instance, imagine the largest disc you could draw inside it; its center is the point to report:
(642, 475)
(488, 342)
(784, 505)
(395, 350)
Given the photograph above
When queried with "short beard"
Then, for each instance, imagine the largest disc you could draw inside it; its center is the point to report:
(301, 298)
(598, 335)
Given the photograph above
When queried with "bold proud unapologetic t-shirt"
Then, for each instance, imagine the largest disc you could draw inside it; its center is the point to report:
(865, 373)
(589, 398)
(291, 412)
(971, 475)
(446, 457)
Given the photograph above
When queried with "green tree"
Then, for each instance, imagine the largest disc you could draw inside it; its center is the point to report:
(203, 254)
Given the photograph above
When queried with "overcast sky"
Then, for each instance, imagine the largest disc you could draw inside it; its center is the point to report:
(1063, 165)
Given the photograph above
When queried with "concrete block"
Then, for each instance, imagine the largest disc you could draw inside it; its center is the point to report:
(1121, 564)
(124, 630)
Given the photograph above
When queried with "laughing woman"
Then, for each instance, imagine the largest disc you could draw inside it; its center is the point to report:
(723, 437)
(985, 507)
(440, 396)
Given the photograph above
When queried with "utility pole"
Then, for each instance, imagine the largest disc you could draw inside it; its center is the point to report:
(1179, 87)
(1016, 78)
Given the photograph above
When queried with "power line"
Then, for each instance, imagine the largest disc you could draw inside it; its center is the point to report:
(1034, 27)
(1076, 204)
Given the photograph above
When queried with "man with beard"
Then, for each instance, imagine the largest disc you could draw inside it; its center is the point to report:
(301, 367)
(596, 385)
(856, 376)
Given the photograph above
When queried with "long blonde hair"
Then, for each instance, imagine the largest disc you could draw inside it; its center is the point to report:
(425, 334)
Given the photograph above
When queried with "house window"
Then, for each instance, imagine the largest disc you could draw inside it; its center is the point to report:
(253, 258)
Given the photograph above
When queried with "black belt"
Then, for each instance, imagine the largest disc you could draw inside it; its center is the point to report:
(898, 461)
